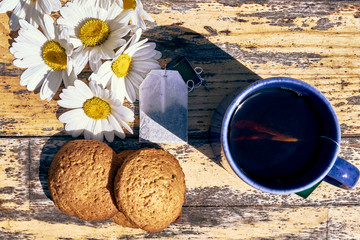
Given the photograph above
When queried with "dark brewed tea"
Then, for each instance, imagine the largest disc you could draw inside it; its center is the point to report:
(275, 135)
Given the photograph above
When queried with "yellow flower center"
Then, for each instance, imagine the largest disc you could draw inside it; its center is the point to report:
(122, 65)
(94, 32)
(54, 56)
(96, 108)
(129, 4)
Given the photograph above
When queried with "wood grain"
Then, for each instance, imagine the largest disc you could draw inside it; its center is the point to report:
(14, 177)
(216, 203)
(235, 43)
(195, 223)
(208, 184)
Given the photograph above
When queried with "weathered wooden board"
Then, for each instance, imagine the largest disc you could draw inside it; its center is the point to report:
(195, 223)
(14, 176)
(344, 223)
(217, 205)
(208, 184)
(235, 42)
(202, 223)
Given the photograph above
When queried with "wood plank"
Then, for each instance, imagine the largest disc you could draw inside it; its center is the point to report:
(344, 222)
(14, 184)
(208, 184)
(231, 210)
(195, 223)
(14, 177)
(235, 43)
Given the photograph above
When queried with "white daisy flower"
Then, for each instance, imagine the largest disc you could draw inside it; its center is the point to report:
(134, 11)
(30, 10)
(132, 62)
(94, 31)
(95, 112)
(99, 3)
(46, 55)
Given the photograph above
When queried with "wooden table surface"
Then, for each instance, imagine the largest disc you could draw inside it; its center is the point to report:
(235, 42)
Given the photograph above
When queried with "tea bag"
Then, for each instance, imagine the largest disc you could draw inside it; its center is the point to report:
(163, 100)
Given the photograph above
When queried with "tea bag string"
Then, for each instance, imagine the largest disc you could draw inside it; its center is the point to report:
(159, 75)
(198, 71)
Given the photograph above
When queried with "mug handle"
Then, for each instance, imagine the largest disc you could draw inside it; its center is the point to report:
(343, 174)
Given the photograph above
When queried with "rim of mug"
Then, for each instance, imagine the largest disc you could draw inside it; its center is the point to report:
(242, 96)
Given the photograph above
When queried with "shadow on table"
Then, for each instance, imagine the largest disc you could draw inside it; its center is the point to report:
(48, 151)
(224, 76)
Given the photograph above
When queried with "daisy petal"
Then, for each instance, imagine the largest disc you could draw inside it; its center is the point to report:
(17, 14)
(47, 24)
(125, 125)
(136, 45)
(75, 42)
(69, 16)
(29, 60)
(31, 34)
(34, 81)
(49, 6)
(136, 78)
(83, 89)
(26, 50)
(89, 130)
(118, 87)
(103, 71)
(94, 65)
(146, 16)
(66, 103)
(136, 37)
(71, 116)
(8, 5)
(109, 136)
(74, 133)
(124, 113)
(124, 17)
(158, 55)
(130, 92)
(51, 85)
(71, 98)
(68, 79)
(75, 121)
(80, 60)
(98, 133)
(33, 13)
(116, 126)
(145, 66)
(145, 52)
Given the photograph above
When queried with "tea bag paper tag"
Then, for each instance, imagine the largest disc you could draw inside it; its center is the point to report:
(163, 100)
(190, 75)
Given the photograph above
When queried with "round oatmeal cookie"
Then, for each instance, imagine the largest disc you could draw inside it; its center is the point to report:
(81, 178)
(122, 220)
(119, 217)
(150, 189)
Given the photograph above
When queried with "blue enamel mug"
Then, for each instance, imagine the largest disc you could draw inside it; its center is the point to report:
(327, 166)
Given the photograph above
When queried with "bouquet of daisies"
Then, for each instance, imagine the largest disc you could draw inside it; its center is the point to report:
(87, 32)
